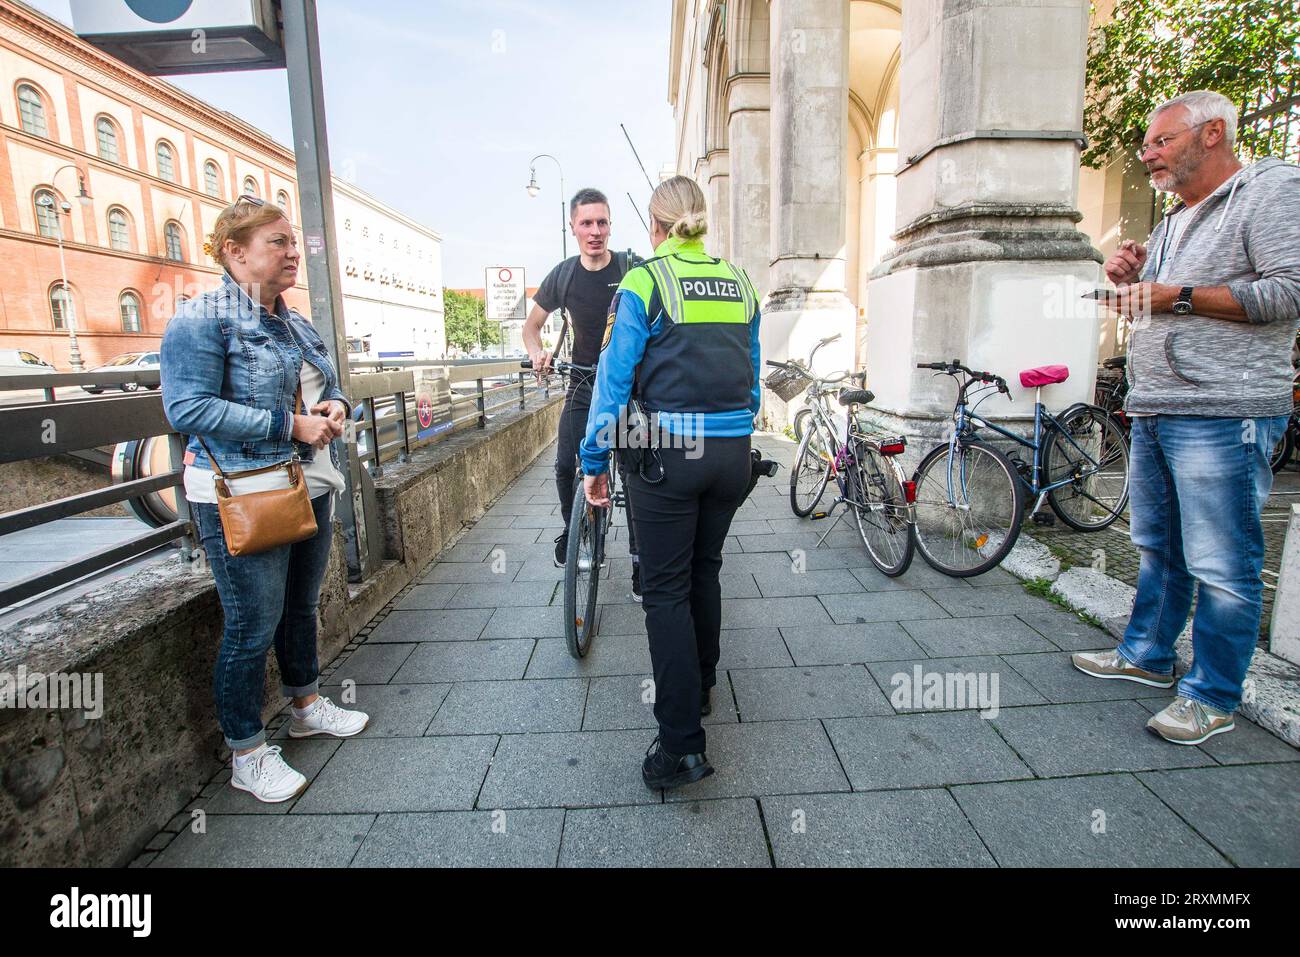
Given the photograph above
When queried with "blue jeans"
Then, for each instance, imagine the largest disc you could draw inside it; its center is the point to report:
(267, 598)
(1198, 486)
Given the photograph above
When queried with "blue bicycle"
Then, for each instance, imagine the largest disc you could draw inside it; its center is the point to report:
(971, 497)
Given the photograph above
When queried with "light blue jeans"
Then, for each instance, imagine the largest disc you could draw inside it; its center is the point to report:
(1198, 486)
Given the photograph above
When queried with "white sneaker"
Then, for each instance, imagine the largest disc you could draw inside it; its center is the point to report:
(328, 718)
(267, 777)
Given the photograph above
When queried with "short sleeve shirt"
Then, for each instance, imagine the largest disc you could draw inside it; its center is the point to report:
(588, 302)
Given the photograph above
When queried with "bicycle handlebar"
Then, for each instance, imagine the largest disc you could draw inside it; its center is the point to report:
(559, 366)
(955, 366)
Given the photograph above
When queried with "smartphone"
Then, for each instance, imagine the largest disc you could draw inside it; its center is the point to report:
(1100, 294)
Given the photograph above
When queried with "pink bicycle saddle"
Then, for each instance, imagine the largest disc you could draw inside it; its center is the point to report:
(1044, 375)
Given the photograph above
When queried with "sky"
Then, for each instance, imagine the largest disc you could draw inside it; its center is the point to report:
(436, 108)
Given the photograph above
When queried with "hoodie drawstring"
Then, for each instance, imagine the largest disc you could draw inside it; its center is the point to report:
(1236, 181)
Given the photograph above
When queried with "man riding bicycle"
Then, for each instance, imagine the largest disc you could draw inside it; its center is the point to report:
(582, 287)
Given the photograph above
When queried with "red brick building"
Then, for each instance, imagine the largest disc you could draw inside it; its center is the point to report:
(158, 165)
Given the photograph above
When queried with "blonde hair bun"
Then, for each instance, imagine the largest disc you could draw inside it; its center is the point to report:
(678, 206)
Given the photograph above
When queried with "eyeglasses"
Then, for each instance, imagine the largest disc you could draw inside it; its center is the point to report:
(1163, 141)
(251, 200)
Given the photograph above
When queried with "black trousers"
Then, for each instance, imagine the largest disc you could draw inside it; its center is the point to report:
(573, 426)
(681, 524)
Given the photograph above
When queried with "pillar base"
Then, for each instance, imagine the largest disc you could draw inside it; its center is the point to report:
(794, 320)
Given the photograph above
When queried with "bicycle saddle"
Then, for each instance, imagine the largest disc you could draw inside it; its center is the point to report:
(1044, 375)
(1115, 362)
(856, 396)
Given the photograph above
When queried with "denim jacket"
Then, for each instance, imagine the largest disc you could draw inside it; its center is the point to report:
(230, 370)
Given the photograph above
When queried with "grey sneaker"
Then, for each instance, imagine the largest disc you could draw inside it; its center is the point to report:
(1111, 664)
(1188, 721)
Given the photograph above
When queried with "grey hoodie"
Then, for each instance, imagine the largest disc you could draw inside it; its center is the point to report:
(1246, 236)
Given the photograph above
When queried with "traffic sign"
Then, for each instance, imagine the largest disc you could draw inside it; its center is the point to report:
(506, 294)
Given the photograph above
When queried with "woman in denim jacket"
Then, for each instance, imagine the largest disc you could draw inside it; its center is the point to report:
(232, 362)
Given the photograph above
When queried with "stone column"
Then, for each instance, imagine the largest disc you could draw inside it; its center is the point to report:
(989, 264)
(749, 156)
(810, 80)
(714, 178)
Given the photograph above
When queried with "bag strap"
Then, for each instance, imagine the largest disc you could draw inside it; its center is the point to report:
(216, 468)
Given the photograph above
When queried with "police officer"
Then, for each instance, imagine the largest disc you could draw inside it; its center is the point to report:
(683, 330)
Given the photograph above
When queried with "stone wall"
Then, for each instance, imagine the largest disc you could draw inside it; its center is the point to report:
(79, 792)
(38, 481)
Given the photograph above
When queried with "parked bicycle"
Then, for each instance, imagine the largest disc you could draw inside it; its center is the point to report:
(588, 527)
(1286, 448)
(1111, 389)
(971, 497)
(867, 475)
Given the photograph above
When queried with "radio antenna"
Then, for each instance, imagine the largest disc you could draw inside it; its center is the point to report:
(638, 158)
(638, 212)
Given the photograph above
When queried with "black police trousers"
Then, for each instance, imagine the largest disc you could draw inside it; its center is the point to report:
(681, 524)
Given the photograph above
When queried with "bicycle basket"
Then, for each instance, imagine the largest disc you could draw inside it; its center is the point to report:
(788, 384)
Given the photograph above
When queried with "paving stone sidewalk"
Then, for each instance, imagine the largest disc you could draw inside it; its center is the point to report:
(490, 746)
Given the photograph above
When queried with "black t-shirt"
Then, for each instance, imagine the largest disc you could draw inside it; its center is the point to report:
(590, 294)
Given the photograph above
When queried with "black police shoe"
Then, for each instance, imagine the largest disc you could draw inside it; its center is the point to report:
(661, 769)
(706, 702)
(561, 549)
(636, 581)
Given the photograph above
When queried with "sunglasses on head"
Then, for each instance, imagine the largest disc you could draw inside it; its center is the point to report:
(251, 200)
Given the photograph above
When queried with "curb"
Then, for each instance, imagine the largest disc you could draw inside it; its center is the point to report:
(1275, 702)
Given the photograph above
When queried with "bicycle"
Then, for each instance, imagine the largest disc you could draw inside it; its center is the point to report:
(1111, 388)
(971, 497)
(866, 471)
(811, 472)
(588, 526)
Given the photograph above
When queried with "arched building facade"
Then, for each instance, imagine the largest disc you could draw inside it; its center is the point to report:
(902, 172)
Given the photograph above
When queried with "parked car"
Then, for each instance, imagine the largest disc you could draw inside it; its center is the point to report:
(21, 362)
(124, 363)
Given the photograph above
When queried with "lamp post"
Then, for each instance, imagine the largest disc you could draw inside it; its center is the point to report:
(63, 209)
(534, 189)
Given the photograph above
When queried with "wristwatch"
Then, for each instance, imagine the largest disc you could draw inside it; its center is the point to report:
(1183, 304)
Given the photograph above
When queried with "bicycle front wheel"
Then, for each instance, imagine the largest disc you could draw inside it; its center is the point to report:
(968, 510)
(1090, 451)
(883, 515)
(811, 472)
(582, 572)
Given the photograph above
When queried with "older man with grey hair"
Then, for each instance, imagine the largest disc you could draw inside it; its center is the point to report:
(1215, 296)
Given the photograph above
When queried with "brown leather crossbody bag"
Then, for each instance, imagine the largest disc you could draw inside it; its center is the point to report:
(259, 521)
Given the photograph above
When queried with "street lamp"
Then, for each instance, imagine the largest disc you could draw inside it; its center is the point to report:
(69, 312)
(534, 189)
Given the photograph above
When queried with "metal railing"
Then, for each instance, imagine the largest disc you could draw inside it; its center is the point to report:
(389, 427)
(387, 431)
(63, 427)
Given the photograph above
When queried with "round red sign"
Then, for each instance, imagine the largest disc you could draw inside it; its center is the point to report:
(424, 411)
(505, 275)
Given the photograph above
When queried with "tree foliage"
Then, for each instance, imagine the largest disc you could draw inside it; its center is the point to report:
(1151, 50)
(463, 319)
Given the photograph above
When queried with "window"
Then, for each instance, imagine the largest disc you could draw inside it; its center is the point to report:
(250, 187)
(282, 200)
(47, 214)
(166, 161)
(212, 179)
(31, 111)
(129, 306)
(62, 306)
(172, 235)
(119, 234)
(106, 138)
